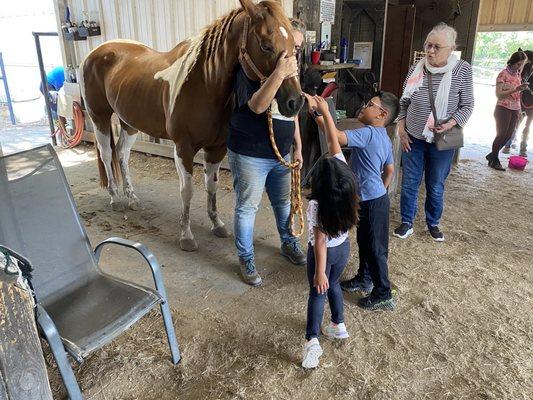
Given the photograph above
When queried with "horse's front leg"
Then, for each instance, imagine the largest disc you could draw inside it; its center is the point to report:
(125, 143)
(184, 162)
(211, 175)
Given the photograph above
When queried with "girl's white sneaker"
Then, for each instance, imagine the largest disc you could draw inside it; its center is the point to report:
(335, 331)
(312, 353)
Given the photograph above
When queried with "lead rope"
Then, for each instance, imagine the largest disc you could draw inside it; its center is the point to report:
(296, 190)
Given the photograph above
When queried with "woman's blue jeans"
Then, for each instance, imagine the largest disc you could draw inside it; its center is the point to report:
(424, 159)
(251, 175)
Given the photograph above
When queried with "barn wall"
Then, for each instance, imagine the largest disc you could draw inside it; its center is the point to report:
(160, 24)
(506, 15)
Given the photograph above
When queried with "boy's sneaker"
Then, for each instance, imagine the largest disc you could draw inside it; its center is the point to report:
(404, 230)
(312, 353)
(294, 252)
(436, 233)
(506, 150)
(354, 285)
(373, 305)
(335, 331)
(249, 272)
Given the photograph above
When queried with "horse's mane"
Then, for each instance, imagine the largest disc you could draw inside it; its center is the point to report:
(208, 42)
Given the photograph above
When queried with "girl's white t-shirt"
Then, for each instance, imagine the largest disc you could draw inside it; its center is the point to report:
(312, 220)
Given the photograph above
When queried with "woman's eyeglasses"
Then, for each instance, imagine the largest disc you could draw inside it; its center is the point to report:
(436, 47)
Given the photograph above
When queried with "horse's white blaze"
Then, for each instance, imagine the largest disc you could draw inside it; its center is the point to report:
(124, 146)
(186, 195)
(211, 185)
(284, 32)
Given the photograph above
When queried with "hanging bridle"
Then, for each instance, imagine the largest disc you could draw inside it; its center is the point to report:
(296, 189)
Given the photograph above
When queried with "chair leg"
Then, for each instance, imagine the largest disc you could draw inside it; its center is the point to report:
(52, 336)
(171, 335)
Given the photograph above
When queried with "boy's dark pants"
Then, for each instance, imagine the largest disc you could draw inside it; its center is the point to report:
(373, 241)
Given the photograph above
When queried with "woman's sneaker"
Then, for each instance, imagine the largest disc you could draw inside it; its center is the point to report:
(436, 233)
(249, 272)
(373, 305)
(294, 252)
(335, 331)
(312, 353)
(404, 230)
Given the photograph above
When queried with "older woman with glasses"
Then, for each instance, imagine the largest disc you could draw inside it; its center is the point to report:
(454, 103)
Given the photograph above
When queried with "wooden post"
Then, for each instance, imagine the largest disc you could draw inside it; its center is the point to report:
(22, 369)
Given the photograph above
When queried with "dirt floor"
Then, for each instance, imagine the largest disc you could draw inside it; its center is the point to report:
(463, 327)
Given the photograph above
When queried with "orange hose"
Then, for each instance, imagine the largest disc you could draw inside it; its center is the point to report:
(67, 140)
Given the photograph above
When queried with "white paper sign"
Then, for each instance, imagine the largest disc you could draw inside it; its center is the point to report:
(362, 54)
(327, 11)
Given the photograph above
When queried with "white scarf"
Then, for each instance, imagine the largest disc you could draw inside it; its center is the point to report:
(414, 81)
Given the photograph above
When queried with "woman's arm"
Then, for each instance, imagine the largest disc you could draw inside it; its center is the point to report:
(320, 280)
(285, 68)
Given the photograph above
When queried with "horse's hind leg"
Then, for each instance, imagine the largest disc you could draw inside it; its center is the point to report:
(128, 135)
(525, 133)
(183, 158)
(212, 160)
(104, 142)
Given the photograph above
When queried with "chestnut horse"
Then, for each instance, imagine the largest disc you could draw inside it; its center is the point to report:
(185, 95)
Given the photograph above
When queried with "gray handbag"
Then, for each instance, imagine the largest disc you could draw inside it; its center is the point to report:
(453, 137)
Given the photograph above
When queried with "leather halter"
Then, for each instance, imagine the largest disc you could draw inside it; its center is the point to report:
(244, 57)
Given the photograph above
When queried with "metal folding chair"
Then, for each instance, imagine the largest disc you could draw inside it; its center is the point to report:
(79, 307)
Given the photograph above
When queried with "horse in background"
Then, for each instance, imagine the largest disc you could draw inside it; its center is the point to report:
(185, 95)
(527, 102)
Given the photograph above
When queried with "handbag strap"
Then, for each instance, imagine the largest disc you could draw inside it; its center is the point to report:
(431, 97)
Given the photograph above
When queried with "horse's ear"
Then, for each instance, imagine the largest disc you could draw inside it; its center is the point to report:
(520, 49)
(250, 7)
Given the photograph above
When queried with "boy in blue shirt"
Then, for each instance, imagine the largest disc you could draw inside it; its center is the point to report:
(373, 165)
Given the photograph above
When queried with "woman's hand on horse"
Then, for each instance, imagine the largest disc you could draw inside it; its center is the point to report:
(286, 67)
(405, 140)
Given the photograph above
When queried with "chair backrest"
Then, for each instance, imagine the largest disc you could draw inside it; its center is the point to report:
(39, 219)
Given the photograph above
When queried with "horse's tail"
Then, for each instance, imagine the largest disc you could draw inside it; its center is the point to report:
(115, 164)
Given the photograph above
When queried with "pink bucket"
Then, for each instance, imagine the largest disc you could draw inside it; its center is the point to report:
(517, 162)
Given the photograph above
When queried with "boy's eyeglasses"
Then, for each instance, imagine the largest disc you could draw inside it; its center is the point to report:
(436, 47)
(372, 104)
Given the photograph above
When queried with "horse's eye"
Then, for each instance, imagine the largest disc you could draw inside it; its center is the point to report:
(267, 47)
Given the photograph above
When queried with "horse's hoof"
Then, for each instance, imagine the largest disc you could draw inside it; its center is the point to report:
(188, 245)
(117, 206)
(220, 231)
(134, 205)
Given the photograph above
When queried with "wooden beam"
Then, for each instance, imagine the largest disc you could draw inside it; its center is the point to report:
(22, 369)
(505, 28)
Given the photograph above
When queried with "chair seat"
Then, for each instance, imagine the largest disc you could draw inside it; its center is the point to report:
(98, 312)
